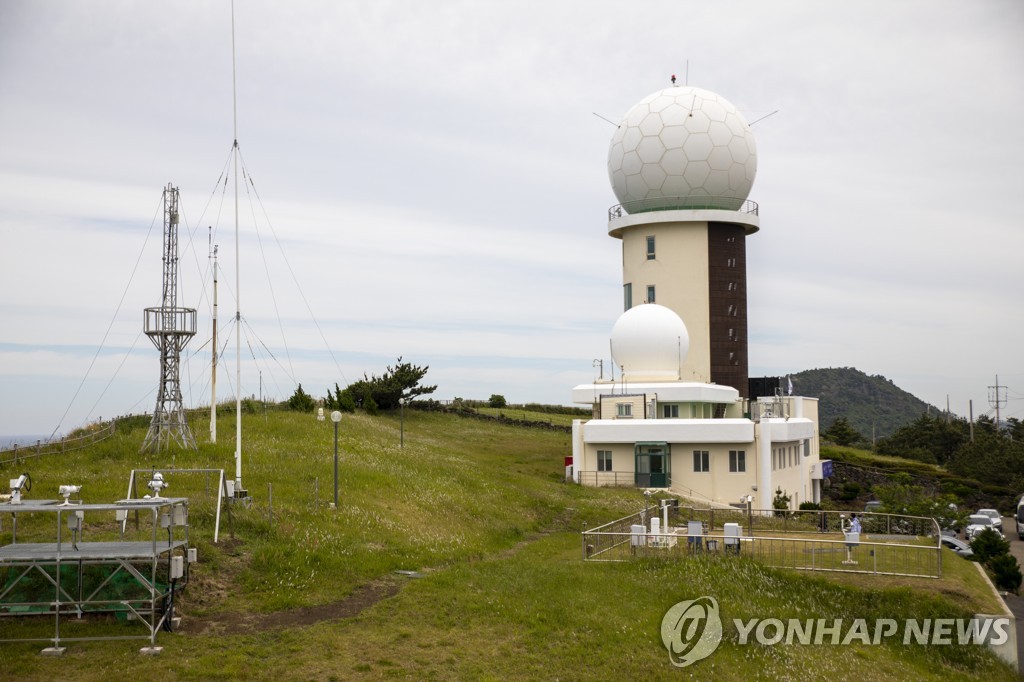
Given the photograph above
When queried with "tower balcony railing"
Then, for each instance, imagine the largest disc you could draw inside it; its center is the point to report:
(170, 321)
(682, 204)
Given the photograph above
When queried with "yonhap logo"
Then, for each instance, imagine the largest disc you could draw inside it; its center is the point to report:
(691, 630)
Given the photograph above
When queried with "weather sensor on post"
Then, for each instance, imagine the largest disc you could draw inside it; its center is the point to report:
(23, 482)
(157, 483)
(67, 491)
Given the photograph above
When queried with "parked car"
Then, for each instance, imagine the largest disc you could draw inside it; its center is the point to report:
(958, 546)
(996, 516)
(979, 522)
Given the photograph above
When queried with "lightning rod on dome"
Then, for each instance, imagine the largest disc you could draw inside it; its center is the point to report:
(763, 117)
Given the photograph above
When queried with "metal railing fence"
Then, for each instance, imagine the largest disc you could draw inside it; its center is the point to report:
(888, 544)
(16, 453)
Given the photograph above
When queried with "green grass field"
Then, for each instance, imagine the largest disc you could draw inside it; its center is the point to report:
(480, 512)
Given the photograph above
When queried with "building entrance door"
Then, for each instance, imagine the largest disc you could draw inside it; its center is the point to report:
(653, 465)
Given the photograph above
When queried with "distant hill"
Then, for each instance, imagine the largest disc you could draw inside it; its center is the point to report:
(864, 400)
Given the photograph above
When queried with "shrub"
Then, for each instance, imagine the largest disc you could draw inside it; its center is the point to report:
(781, 502)
(301, 401)
(850, 491)
(346, 403)
(496, 401)
(987, 545)
(1006, 572)
(370, 405)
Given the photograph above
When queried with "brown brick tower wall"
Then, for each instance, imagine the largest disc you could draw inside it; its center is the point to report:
(727, 305)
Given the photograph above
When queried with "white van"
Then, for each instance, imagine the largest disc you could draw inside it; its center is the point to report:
(1019, 516)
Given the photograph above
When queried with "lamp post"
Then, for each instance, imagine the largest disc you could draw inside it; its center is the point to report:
(336, 418)
(401, 408)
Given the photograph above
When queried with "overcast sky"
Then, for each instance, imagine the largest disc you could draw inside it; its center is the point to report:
(432, 183)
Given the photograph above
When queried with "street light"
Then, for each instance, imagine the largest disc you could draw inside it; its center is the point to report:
(401, 408)
(336, 418)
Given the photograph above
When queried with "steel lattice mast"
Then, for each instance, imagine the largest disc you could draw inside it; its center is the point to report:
(170, 328)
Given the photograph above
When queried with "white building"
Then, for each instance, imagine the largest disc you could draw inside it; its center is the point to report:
(681, 164)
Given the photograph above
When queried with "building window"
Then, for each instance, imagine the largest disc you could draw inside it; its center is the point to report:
(604, 460)
(624, 410)
(650, 247)
(701, 461)
(737, 461)
(670, 412)
(627, 295)
(650, 293)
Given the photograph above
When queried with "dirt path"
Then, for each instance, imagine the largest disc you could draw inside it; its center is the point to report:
(362, 598)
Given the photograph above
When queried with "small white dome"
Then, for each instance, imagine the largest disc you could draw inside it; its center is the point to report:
(650, 341)
(682, 147)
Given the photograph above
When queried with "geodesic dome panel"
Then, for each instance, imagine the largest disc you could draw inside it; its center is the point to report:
(682, 147)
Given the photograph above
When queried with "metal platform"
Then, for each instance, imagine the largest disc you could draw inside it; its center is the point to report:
(133, 575)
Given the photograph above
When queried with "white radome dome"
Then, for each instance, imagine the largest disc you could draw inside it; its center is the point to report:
(650, 341)
(685, 143)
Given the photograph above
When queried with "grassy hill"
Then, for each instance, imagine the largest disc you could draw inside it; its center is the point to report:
(866, 401)
(478, 510)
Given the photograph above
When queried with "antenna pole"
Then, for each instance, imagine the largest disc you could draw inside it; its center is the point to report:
(213, 376)
(239, 491)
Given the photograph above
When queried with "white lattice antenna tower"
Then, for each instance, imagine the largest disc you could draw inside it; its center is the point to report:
(170, 328)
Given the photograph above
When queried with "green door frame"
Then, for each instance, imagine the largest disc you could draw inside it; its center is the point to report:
(653, 465)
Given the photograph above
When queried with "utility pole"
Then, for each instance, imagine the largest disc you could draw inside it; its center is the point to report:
(997, 399)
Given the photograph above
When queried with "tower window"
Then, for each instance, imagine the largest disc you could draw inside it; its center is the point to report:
(650, 247)
(650, 293)
(701, 461)
(737, 461)
(624, 410)
(627, 296)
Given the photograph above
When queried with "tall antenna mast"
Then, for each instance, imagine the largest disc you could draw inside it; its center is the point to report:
(213, 363)
(240, 492)
(170, 328)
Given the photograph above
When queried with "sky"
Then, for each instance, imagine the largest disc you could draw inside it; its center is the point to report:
(429, 180)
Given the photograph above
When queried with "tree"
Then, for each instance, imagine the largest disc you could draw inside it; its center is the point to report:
(991, 458)
(400, 381)
(301, 401)
(1015, 428)
(841, 433)
(929, 439)
(497, 400)
(781, 501)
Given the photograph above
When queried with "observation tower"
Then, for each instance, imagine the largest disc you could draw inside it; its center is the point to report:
(682, 163)
(170, 328)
